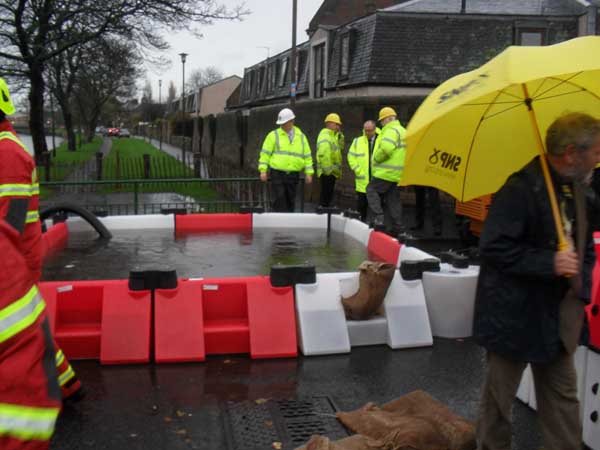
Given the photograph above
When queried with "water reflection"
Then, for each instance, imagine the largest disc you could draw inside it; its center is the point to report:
(202, 255)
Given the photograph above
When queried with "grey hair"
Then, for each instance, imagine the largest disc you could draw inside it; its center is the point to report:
(371, 122)
(578, 129)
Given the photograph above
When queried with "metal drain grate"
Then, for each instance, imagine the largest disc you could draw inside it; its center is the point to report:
(257, 426)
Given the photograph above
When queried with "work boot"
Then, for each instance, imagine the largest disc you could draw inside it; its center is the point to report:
(378, 223)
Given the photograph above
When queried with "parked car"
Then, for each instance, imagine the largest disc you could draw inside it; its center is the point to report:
(124, 133)
(114, 132)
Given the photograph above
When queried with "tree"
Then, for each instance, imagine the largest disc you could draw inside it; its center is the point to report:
(62, 75)
(96, 85)
(32, 32)
(172, 93)
(203, 77)
(147, 93)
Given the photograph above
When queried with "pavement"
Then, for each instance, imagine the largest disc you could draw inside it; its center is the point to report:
(181, 406)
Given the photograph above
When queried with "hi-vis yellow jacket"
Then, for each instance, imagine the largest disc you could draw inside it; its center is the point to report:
(281, 154)
(329, 153)
(390, 153)
(358, 160)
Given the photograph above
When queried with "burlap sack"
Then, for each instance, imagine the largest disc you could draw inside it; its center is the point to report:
(355, 442)
(375, 278)
(416, 421)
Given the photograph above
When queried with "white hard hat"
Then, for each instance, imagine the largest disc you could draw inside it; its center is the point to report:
(285, 115)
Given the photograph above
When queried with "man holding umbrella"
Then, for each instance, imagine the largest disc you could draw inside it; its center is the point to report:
(525, 283)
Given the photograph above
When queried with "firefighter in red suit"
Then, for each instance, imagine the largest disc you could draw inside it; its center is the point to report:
(30, 398)
(19, 203)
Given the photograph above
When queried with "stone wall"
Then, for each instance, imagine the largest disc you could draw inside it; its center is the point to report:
(239, 137)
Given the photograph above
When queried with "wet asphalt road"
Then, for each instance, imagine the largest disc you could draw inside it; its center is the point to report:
(174, 407)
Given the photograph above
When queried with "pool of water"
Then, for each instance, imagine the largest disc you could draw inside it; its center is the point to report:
(202, 255)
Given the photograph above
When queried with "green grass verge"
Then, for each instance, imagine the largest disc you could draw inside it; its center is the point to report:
(126, 162)
(66, 161)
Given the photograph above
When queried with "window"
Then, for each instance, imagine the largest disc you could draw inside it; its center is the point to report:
(271, 76)
(319, 72)
(260, 81)
(283, 71)
(531, 36)
(345, 55)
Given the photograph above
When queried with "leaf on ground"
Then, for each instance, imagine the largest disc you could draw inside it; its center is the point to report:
(181, 432)
(260, 401)
(180, 413)
(168, 419)
(268, 423)
(277, 445)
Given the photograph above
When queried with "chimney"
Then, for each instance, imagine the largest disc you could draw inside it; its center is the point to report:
(463, 6)
(370, 7)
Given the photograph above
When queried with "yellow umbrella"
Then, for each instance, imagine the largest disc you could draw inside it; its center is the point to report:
(478, 127)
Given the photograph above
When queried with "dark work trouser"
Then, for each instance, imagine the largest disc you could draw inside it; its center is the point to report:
(362, 205)
(283, 190)
(384, 201)
(557, 403)
(428, 198)
(327, 187)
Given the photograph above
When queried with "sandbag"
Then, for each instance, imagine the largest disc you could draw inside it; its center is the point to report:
(374, 281)
(416, 421)
(355, 442)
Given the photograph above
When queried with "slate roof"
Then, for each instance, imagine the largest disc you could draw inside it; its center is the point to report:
(512, 7)
(421, 43)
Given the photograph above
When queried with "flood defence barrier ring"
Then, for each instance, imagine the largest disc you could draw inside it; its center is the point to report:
(79, 211)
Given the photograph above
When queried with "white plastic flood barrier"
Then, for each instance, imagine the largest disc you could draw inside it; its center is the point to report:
(323, 328)
(526, 391)
(591, 401)
(450, 296)
(526, 386)
(320, 317)
(413, 254)
(141, 222)
(358, 230)
(338, 223)
(289, 220)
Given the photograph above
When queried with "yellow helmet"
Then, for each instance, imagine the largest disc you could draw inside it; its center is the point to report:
(386, 112)
(6, 104)
(333, 117)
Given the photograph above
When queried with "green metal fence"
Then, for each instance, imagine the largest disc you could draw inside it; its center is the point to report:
(153, 196)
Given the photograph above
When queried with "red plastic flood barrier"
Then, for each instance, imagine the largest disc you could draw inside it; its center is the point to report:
(272, 320)
(593, 310)
(194, 223)
(383, 247)
(223, 316)
(54, 239)
(179, 323)
(99, 320)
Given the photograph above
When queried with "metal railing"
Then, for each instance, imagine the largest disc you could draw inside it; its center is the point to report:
(153, 196)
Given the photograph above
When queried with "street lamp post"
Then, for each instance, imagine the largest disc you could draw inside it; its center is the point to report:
(160, 115)
(183, 56)
(294, 55)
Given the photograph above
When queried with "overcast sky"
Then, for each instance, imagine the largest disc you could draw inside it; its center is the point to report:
(231, 46)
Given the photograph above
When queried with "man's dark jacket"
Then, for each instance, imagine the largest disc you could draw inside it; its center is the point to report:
(518, 294)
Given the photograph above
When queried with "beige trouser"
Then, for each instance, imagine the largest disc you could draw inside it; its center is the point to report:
(557, 403)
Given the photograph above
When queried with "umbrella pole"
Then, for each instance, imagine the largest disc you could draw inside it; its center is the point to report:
(562, 241)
